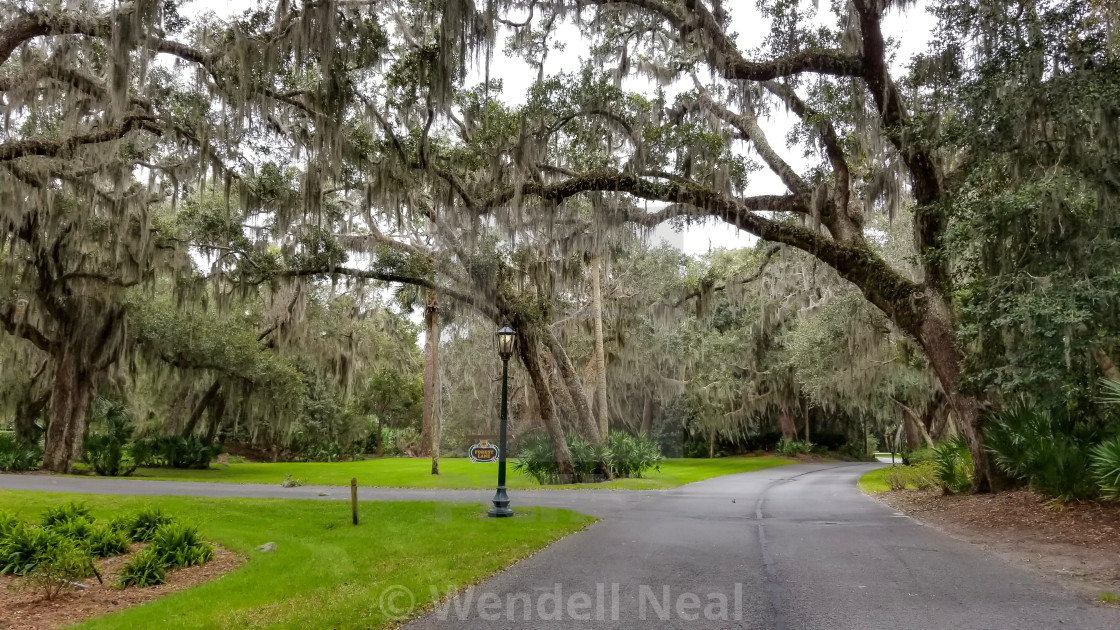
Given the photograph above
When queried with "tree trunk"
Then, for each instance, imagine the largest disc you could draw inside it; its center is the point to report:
(217, 418)
(933, 416)
(915, 428)
(565, 406)
(379, 437)
(600, 349)
(807, 421)
(71, 393)
(200, 408)
(712, 444)
(430, 423)
(938, 339)
(584, 418)
(528, 347)
(1108, 368)
(435, 456)
(788, 424)
(647, 417)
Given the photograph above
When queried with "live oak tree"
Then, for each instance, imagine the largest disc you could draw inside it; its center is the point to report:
(878, 147)
(100, 98)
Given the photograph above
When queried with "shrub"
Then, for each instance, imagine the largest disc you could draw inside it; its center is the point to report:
(1052, 455)
(105, 541)
(897, 478)
(632, 456)
(790, 448)
(331, 452)
(394, 442)
(179, 545)
(16, 456)
(72, 511)
(918, 457)
(175, 452)
(121, 523)
(60, 566)
(105, 451)
(144, 569)
(589, 462)
(1106, 467)
(105, 454)
(24, 546)
(146, 523)
(1061, 470)
(76, 529)
(921, 477)
(8, 524)
(535, 459)
(952, 466)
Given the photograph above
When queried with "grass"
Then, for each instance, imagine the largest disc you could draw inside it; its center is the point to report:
(915, 477)
(875, 481)
(325, 572)
(1110, 598)
(455, 473)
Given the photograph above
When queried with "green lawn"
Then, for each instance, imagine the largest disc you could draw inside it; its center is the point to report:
(454, 473)
(875, 481)
(325, 572)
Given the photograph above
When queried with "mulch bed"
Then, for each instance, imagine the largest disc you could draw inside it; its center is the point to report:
(1079, 541)
(25, 608)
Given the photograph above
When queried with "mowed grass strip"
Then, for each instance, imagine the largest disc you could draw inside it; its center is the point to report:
(875, 481)
(325, 572)
(455, 473)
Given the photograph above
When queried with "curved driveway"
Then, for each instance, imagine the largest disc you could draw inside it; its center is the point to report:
(796, 547)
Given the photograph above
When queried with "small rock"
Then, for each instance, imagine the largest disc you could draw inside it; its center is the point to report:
(324, 494)
(267, 547)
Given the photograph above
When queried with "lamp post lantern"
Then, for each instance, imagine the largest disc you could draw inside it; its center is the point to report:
(505, 337)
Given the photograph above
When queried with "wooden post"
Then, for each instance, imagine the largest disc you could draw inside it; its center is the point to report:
(354, 498)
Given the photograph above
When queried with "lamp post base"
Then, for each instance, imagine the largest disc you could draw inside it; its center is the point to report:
(501, 504)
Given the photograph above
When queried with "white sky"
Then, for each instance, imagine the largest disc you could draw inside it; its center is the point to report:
(912, 29)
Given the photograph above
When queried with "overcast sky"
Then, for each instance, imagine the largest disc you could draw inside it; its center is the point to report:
(911, 29)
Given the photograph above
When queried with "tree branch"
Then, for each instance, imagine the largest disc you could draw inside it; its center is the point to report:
(770, 252)
(386, 276)
(747, 124)
(724, 56)
(890, 291)
(22, 328)
(925, 173)
(829, 140)
(50, 148)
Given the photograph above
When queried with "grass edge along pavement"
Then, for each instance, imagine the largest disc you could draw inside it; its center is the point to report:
(875, 481)
(456, 473)
(324, 572)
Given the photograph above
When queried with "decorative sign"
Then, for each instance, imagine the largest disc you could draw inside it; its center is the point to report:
(484, 452)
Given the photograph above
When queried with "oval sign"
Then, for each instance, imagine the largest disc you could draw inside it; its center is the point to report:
(483, 452)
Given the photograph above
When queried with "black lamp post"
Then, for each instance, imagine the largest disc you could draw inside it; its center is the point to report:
(506, 337)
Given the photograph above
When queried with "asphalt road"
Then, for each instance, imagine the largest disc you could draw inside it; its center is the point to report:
(791, 548)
